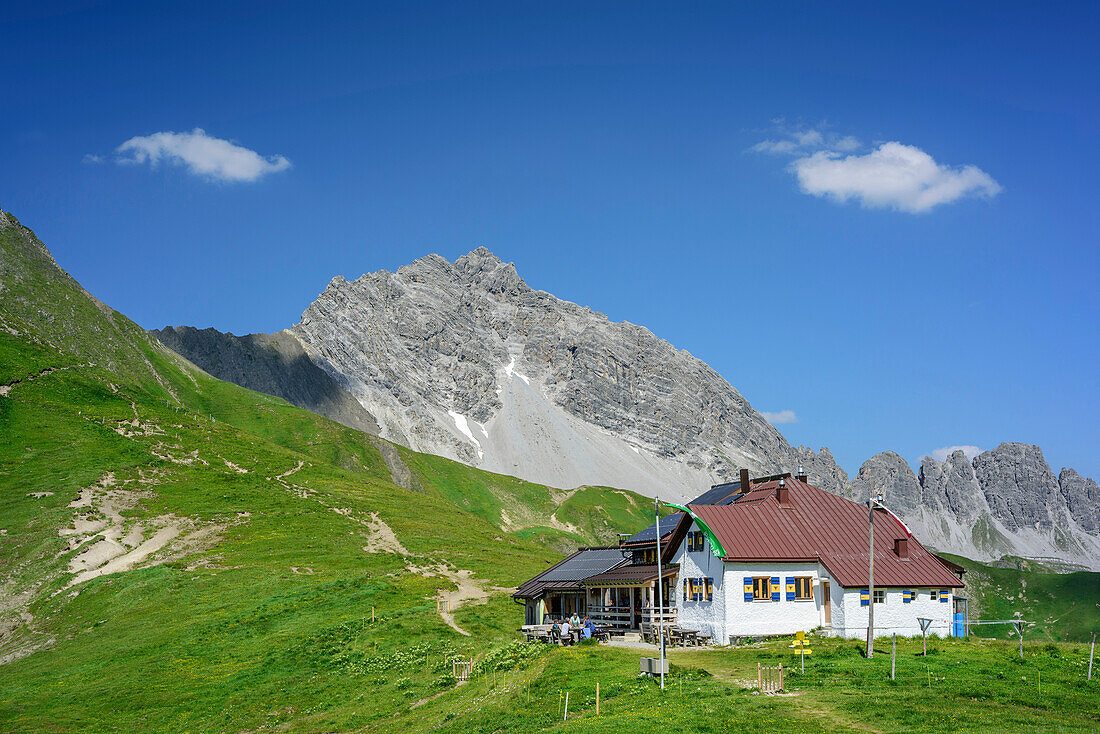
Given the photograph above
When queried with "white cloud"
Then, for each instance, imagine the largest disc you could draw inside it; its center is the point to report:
(894, 175)
(942, 454)
(92, 158)
(204, 155)
(782, 416)
(801, 141)
(775, 146)
(847, 144)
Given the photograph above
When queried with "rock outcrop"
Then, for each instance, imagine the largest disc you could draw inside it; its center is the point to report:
(888, 475)
(951, 486)
(1082, 498)
(1019, 486)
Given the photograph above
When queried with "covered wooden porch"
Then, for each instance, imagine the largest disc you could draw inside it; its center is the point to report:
(625, 598)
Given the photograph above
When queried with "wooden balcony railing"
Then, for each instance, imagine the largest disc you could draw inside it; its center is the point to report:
(621, 617)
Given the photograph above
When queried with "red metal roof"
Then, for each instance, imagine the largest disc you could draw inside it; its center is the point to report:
(818, 525)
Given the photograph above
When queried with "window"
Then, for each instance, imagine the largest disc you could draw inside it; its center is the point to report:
(934, 595)
(880, 596)
(695, 541)
(803, 587)
(644, 557)
(701, 589)
(761, 588)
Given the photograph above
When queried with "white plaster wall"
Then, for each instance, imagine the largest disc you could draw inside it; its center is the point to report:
(839, 611)
(781, 617)
(894, 616)
(701, 616)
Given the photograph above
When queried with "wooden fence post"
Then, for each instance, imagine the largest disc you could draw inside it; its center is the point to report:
(781, 676)
(1092, 649)
(597, 698)
(893, 655)
(566, 717)
(759, 678)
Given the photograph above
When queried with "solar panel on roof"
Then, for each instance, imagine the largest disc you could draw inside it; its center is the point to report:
(584, 564)
(668, 524)
(720, 494)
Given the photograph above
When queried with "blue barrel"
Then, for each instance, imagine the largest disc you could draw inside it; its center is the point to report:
(959, 628)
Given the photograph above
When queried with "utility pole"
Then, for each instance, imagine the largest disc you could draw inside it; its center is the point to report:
(660, 593)
(871, 572)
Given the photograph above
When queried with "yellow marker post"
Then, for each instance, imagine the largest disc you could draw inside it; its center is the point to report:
(801, 648)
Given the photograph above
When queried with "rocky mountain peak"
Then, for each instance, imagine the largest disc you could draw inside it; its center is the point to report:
(465, 360)
(888, 474)
(481, 267)
(1019, 486)
(1082, 498)
(480, 257)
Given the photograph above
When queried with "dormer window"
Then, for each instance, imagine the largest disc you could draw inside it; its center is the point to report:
(695, 541)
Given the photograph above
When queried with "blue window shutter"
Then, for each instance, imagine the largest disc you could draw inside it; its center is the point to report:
(907, 596)
(685, 589)
(748, 588)
(775, 588)
(944, 593)
(790, 588)
(864, 597)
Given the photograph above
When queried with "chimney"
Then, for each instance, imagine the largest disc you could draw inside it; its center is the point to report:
(901, 547)
(783, 493)
(744, 481)
(801, 476)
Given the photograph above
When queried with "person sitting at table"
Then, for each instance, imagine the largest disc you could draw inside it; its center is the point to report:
(575, 620)
(566, 629)
(587, 629)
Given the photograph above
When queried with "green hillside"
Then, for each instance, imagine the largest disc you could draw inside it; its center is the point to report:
(267, 574)
(1059, 606)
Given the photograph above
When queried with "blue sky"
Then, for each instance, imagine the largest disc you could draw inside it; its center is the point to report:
(639, 158)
